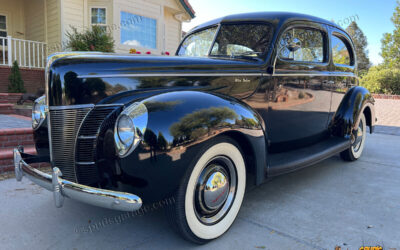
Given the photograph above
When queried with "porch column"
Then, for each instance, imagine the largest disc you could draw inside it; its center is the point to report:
(9, 45)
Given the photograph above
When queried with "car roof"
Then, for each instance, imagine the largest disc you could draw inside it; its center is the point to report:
(274, 17)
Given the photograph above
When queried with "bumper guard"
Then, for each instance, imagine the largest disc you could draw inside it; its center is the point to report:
(63, 188)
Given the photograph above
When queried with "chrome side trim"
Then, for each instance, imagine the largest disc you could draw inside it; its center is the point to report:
(168, 75)
(62, 188)
(85, 163)
(110, 105)
(87, 137)
(313, 75)
(84, 106)
(71, 107)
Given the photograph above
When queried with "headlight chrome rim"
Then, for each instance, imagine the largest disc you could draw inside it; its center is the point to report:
(138, 117)
(39, 112)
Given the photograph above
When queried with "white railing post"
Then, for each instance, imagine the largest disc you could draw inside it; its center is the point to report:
(20, 60)
(38, 55)
(17, 50)
(9, 50)
(42, 62)
(29, 55)
(4, 50)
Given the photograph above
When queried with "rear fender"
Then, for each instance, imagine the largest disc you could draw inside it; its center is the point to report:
(357, 100)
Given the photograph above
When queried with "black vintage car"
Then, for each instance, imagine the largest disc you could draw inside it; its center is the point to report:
(246, 97)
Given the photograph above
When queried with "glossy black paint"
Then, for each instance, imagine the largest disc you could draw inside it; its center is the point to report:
(67, 88)
(357, 101)
(175, 134)
(257, 102)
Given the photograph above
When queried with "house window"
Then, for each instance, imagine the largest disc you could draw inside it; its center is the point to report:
(98, 17)
(3, 29)
(138, 31)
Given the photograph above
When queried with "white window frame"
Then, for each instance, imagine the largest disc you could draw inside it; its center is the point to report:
(98, 24)
(5, 30)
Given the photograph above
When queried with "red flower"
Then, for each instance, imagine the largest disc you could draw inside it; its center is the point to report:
(167, 53)
(138, 52)
(148, 52)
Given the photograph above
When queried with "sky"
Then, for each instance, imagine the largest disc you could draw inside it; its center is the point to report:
(373, 17)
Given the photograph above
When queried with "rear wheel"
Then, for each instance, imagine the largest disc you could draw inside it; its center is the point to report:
(211, 194)
(357, 142)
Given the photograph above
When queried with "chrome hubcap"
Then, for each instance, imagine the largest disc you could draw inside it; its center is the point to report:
(358, 137)
(215, 190)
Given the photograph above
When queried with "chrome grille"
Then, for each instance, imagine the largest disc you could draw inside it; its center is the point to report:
(90, 133)
(64, 128)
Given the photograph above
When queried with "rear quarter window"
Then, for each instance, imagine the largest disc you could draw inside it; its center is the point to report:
(340, 51)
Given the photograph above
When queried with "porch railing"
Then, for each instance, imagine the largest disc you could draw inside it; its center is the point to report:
(28, 54)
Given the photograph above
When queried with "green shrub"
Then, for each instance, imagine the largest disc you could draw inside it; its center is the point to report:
(16, 84)
(94, 39)
(381, 80)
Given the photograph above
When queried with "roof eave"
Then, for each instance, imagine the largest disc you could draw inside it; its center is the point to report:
(186, 5)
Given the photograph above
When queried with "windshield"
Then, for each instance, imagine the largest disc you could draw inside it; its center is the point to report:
(198, 44)
(232, 40)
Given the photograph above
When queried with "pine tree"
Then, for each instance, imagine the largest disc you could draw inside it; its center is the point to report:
(391, 42)
(360, 44)
(16, 84)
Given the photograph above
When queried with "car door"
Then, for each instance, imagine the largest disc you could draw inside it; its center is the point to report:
(343, 64)
(299, 93)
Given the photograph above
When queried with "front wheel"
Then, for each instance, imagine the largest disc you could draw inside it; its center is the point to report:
(357, 142)
(211, 194)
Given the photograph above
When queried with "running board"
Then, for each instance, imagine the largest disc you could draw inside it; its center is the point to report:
(282, 163)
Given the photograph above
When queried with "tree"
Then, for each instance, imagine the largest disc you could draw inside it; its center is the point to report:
(382, 79)
(95, 39)
(200, 122)
(360, 46)
(16, 84)
(391, 42)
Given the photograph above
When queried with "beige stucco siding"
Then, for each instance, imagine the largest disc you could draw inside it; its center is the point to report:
(73, 14)
(172, 32)
(35, 20)
(53, 9)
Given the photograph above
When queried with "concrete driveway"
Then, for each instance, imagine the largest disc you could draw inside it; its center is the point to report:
(331, 204)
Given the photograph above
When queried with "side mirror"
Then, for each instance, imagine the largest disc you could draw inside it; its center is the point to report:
(294, 45)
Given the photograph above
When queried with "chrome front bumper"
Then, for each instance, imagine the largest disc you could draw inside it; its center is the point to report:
(62, 188)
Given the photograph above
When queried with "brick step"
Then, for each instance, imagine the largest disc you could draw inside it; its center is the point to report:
(6, 109)
(7, 158)
(10, 98)
(11, 138)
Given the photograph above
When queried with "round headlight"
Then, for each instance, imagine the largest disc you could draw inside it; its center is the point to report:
(129, 128)
(126, 130)
(39, 110)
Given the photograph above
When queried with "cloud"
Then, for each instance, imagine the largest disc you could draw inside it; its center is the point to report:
(133, 43)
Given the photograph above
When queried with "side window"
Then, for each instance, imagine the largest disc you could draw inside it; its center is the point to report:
(302, 44)
(340, 51)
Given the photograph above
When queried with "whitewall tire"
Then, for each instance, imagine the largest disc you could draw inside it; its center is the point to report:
(211, 193)
(356, 148)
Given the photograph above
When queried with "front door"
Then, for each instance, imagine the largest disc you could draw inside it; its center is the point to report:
(299, 96)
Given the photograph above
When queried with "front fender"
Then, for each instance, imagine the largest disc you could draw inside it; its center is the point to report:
(179, 123)
(357, 100)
